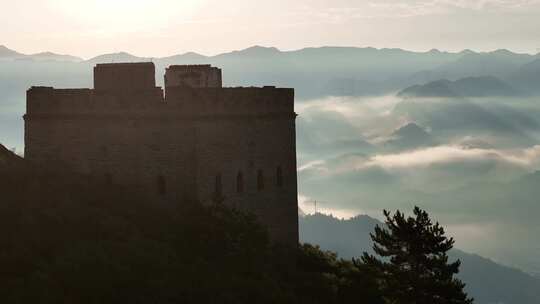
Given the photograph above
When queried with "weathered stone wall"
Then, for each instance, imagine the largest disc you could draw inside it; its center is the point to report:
(194, 76)
(134, 152)
(233, 153)
(124, 76)
(231, 102)
(196, 144)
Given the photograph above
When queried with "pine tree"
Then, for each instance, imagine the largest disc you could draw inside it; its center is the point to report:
(414, 267)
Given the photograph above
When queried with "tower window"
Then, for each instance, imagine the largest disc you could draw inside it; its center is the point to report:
(218, 186)
(161, 185)
(279, 177)
(260, 180)
(239, 183)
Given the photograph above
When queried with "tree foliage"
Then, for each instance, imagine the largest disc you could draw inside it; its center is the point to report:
(413, 266)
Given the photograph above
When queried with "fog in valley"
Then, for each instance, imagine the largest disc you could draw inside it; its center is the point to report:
(471, 162)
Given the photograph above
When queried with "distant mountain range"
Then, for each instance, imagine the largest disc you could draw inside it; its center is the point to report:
(409, 136)
(117, 57)
(8, 54)
(527, 76)
(487, 281)
(482, 86)
(471, 64)
(314, 73)
(336, 71)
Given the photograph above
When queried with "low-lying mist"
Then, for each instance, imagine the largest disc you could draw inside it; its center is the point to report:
(471, 161)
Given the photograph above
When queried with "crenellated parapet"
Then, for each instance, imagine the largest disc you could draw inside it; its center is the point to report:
(138, 96)
(194, 76)
(138, 76)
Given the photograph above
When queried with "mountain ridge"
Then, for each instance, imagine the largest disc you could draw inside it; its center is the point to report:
(7, 53)
(474, 86)
(258, 49)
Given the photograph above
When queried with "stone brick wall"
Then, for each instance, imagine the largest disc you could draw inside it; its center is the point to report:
(194, 76)
(249, 147)
(124, 76)
(212, 145)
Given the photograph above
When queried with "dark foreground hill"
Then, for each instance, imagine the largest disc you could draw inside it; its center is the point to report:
(69, 239)
(66, 238)
(487, 281)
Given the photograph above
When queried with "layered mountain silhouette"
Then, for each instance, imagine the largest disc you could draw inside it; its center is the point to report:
(117, 58)
(318, 72)
(49, 56)
(410, 136)
(483, 86)
(6, 54)
(471, 64)
(527, 76)
(487, 281)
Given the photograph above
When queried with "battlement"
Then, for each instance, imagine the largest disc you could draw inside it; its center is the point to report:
(194, 76)
(125, 76)
(137, 95)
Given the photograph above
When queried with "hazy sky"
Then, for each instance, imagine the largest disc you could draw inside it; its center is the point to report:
(165, 27)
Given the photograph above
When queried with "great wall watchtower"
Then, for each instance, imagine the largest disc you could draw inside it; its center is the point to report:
(197, 141)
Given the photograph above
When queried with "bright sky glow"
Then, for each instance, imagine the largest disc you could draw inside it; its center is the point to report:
(165, 27)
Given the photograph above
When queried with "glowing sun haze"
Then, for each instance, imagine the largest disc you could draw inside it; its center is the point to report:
(165, 27)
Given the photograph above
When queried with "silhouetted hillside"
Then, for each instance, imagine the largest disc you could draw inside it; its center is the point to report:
(439, 88)
(409, 136)
(49, 56)
(486, 281)
(116, 58)
(486, 86)
(527, 77)
(325, 71)
(498, 63)
(69, 238)
(6, 53)
(186, 57)
(448, 117)
(65, 237)
(313, 72)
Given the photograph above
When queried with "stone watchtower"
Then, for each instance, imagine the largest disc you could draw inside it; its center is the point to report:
(197, 141)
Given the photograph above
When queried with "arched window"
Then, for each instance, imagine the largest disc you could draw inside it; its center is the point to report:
(239, 183)
(218, 186)
(260, 180)
(161, 185)
(279, 177)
